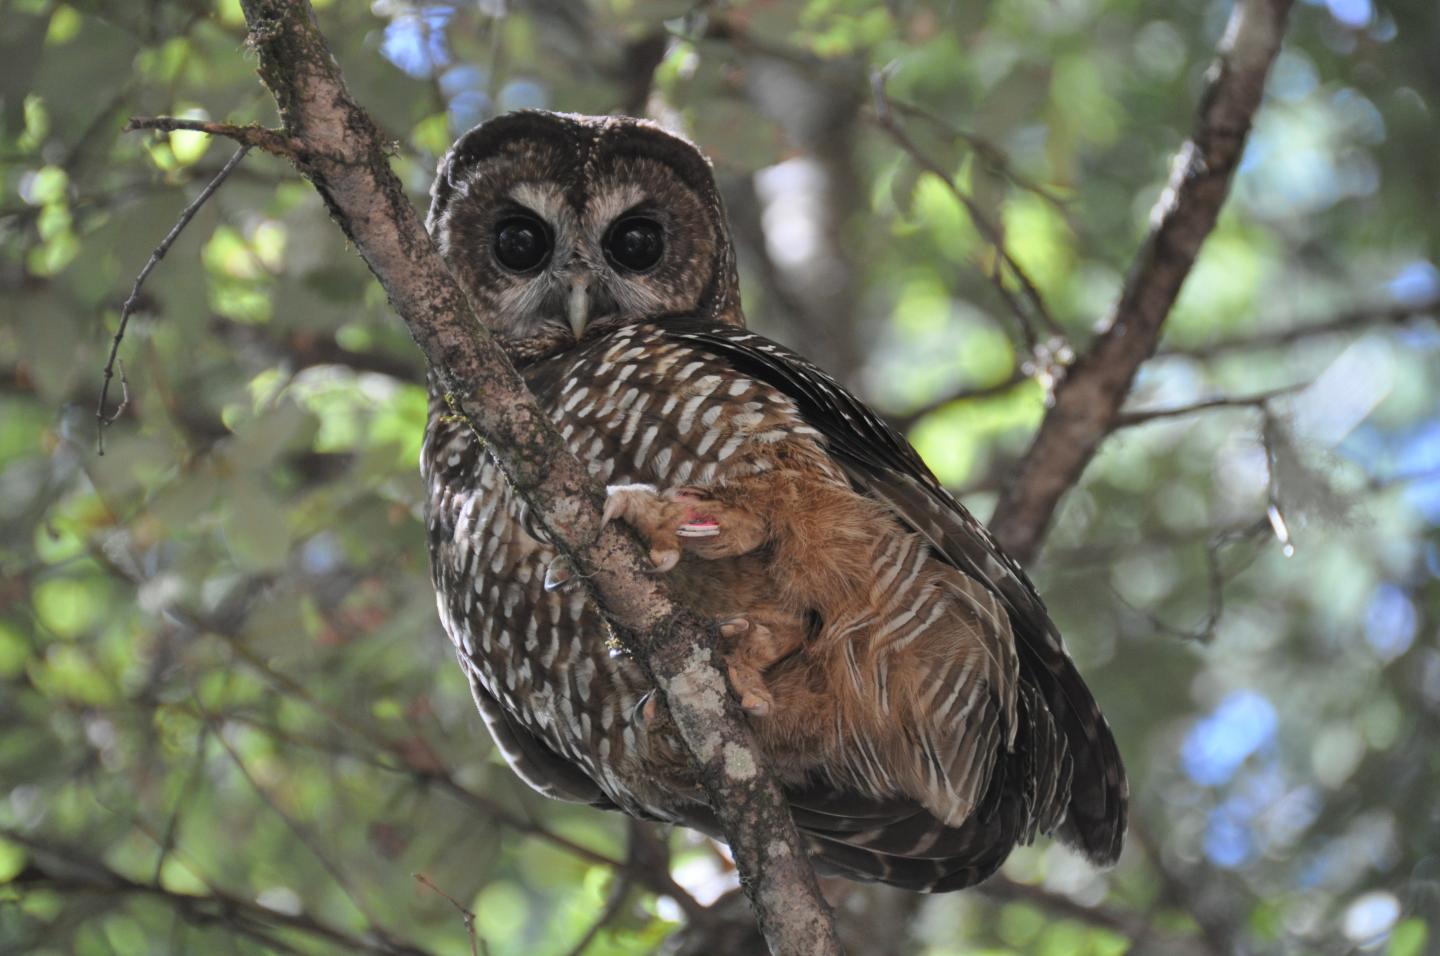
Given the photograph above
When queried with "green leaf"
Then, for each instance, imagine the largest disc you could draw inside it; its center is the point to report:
(1408, 938)
(66, 606)
(12, 860)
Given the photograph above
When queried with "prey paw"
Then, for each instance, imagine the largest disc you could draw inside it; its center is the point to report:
(683, 519)
(643, 508)
(748, 640)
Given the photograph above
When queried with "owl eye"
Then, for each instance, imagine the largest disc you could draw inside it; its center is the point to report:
(635, 244)
(521, 243)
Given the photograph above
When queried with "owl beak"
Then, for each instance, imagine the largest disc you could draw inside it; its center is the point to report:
(578, 305)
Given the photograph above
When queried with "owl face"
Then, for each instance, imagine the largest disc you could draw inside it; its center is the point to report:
(560, 225)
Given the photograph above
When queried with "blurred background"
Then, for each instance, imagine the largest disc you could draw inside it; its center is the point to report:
(229, 722)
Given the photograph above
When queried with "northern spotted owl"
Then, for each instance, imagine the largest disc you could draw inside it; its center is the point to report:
(899, 670)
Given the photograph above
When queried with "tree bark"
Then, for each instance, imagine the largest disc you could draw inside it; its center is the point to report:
(338, 148)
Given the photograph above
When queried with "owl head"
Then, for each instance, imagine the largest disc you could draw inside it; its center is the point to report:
(561, 226)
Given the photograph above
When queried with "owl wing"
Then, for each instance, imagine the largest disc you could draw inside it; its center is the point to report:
(1065, 742)
(530, 757)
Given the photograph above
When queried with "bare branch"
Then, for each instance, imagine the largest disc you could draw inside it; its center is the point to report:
(1089, 399)
(252, 136)
(979, 392)
(103, 418)
(393, 755)
(1361, 319)
(63, 870)
(885, 119)
(478, 945)
(306, 838)
(1261, 401)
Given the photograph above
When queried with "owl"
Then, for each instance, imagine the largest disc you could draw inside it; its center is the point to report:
(899, 671)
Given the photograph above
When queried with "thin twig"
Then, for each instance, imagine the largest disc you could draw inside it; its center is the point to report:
(61, 869)
(1359, 319)
(1012, 381)
(301, 833)
(991, 153)
(1261, 401)
(396, 758)
(172, 822)
(613, 905)
(253, 135)
(885, 119)
(478, 943)
(1216, 580)
(104, 419)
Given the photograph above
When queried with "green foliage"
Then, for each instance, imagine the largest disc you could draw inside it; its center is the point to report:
(221, 677)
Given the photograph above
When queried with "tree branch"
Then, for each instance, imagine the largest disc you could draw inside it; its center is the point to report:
(1141, 416)
(60, 869)
(274, 142)
(1015, 379)
(1360, 319)
(346, 159)
(1088, 401)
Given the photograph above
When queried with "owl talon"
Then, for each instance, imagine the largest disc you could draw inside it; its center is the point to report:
(559, 574)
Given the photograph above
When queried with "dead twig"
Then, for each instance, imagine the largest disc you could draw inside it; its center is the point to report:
(103, 418)
(301, 833)
(1359, 319)
(60, 869)
(1261, 401)
(478, 945)
(251, 136)
(885, 118)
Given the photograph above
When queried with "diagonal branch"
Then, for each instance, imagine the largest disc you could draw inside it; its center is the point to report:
(346, 160)
(1088, 401)
(274, 142)
(61, 869)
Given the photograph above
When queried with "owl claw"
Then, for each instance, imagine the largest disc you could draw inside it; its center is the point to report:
(559, 574)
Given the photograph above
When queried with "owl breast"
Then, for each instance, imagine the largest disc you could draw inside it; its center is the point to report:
(634, 407)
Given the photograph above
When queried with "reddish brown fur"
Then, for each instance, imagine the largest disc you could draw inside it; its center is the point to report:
(805, 545)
